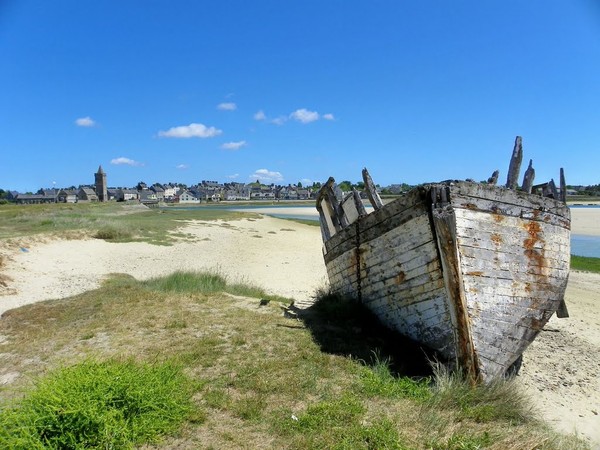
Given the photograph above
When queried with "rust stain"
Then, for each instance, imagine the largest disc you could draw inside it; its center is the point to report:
(536, 324)
(498, 217)
(537, 263)
(475, 274)
(400, 278)
(496, 239)
(469, 206)
(535, 255)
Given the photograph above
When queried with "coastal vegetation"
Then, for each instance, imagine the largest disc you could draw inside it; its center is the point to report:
(193, 361)
(115, 222)
(585, 263)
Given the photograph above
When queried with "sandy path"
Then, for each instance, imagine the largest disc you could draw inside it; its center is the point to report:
(561, 369)
(283, 257)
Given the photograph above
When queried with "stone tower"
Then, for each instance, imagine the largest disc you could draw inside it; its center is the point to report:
(101, 192)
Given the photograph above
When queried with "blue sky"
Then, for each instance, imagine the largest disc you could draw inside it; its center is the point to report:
(288, 91)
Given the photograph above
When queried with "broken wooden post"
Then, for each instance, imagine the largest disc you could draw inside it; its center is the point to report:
(371, 190)
(562, 312)
(358, 203)
(515, 164)
(494, 178)
(552, 188)
(528, 177)
(563, 186)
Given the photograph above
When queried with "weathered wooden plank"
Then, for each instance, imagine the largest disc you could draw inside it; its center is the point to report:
(505, 233)
(405, 295)
(515, 164)
(496, 288)
(352, 207)
(324, 223)
(528, 178)
(396, 213)
(444, 223)
(563, 186)
(492, 338)
(525, 255)
(554, 241)
(399, 264)
(562, 312)
(490, 369)
(510, 309)
(550, 191)
(371, 190)
(498, 211)
(540, 224)
(551, 264)
(504, 197)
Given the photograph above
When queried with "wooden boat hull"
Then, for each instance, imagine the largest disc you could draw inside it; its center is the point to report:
(471, 270)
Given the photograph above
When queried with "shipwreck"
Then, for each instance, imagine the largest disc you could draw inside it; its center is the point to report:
(471, 270)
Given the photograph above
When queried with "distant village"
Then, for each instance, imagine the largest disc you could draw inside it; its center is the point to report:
(205, 191)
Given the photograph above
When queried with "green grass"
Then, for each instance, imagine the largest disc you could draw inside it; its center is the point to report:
(241, 374)
(378, 380)
(206, 283)
(111, 404)
(500, 400)
(115, 222)
(585, 263)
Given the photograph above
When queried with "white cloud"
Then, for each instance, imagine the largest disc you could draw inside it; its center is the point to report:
(227, 106)
(279, 120)
(306, 182)
(266, 176)
(233, 145)
(301, 115)
(85, 122)
(182, 166)
(234, 176)
(304, 115)
(125, 161)
(189, 131)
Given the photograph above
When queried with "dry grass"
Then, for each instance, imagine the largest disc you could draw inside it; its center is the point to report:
(264, 380)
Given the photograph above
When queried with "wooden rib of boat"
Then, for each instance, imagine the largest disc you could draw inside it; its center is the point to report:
(471, 270)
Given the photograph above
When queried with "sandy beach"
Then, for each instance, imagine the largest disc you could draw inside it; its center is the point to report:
(561, 368)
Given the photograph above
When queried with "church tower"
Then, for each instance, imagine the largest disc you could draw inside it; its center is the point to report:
(101, 192)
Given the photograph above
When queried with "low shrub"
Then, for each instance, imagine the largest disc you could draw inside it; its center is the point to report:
(112, 234)
(112, 404)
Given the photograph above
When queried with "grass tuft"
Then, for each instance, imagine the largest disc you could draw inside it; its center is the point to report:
(206, 283)
(110, 233)
(112, 404)
(378, 380)
(340, 424)
(500, 400)
(188, 282)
